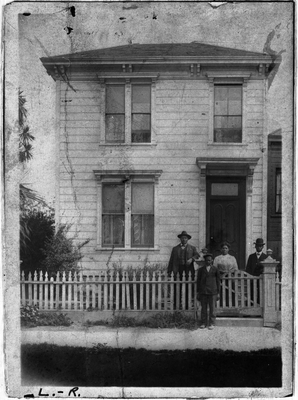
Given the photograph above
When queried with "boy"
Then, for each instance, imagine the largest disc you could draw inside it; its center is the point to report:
(208, 287)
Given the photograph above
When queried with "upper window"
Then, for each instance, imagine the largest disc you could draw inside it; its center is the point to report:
(128, 113)
(228, 113)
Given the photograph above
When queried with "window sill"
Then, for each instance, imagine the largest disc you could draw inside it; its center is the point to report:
(110, 249)
(128, 144)
(218, 144)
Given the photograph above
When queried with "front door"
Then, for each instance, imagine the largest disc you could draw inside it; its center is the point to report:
(226, 216)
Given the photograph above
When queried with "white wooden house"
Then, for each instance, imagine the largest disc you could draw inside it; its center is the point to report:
(153, 139)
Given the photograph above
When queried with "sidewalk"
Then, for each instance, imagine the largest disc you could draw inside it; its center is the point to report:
(222, 337)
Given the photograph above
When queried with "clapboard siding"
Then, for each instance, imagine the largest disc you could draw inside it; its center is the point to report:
(181, 124)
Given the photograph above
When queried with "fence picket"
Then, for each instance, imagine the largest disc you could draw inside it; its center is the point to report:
(105, 292)
(147, 304)
(75, 291)
(69, 291)
(165, 298)
(117, 291)
(93, 292)
(189, 284)
(153, 297)
(142, 291)
(160, 286)
(46, 292)
(30, 289)
(135, 299)
(183, 291)
(51, 293)
(63, 291)
(81, 291)
(172, 295)
(127, 289)
(99, 293)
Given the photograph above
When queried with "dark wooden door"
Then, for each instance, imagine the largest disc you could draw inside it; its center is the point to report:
(226, 216)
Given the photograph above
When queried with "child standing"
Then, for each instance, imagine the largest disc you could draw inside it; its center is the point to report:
(208, 287)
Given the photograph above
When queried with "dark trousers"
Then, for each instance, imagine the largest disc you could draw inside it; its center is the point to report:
(207, 300)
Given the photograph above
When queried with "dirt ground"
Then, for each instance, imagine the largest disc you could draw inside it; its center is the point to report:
(46, 364)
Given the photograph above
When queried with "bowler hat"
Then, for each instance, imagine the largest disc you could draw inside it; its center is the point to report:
(184, 233)
(259, 242)
(208, 255)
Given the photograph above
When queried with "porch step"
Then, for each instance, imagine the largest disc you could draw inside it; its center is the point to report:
(228, 321)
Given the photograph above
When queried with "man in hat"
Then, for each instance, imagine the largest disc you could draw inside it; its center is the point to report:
(183, 256)
(182, 260)
(254, 266)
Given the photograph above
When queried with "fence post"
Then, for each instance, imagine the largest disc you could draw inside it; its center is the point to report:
(269, 310)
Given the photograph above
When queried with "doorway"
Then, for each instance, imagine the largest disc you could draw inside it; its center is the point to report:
(226, 215)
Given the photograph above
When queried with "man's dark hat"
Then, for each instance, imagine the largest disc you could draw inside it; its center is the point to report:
(259, 242)
(208, 255)
(184, 233)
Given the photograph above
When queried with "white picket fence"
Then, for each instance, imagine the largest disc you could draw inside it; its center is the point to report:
(136, 291)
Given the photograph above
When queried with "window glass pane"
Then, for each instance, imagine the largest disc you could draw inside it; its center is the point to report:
(142, 229)
(220, 122)
(221, 100)
(141, 122)
(113, 230)
(228, 135)
(115, 95)
(235, 122)
(141, 98)
(115, 128)
(224, 189)
(142, 198)
(113, 199)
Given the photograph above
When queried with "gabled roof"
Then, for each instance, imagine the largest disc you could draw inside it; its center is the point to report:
(160, 52)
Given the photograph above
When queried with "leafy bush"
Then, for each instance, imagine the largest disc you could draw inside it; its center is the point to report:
(31, 317)
(61, 254)
(37, 226)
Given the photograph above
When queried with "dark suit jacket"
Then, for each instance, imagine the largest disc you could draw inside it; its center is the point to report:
(208, 282)
(191, 252)
(253, 266)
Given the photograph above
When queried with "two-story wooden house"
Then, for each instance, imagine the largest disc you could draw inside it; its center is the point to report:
(153, 139)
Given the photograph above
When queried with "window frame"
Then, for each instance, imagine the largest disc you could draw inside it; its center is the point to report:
(227, 86)
(127, 178)
(128, 83)
(218, 78)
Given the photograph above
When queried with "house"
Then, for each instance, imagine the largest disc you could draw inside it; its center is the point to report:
(153, 139)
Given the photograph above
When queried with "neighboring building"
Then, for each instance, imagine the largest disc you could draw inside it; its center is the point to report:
(154, 139)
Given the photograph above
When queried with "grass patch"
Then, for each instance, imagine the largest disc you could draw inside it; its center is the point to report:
(176, 320)
(32, 317)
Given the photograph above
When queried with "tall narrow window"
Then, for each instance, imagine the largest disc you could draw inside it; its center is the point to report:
(141, 114)
(113, 215)
(278, 191)
(142, 215)
(115, 113)
(228, 113)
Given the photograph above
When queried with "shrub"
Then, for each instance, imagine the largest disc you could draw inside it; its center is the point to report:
(61, 254)
(31, 317)
(37, 226)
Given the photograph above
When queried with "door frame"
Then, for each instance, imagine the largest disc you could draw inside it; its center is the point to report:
(227, 166)
(241, 180)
